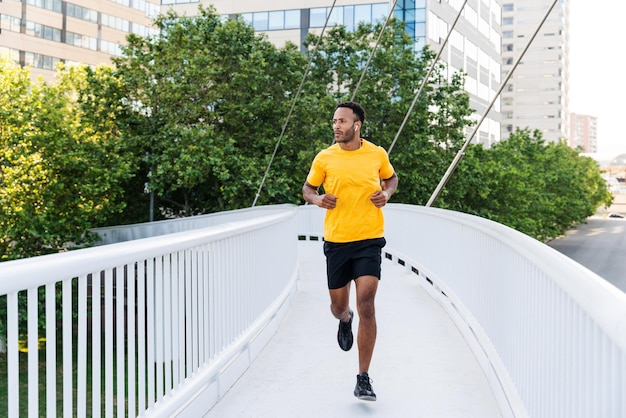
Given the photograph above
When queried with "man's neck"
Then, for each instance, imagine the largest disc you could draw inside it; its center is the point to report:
(352, 145)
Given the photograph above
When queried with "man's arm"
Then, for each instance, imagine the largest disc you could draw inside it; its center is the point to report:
(310, 194)
(389, 186)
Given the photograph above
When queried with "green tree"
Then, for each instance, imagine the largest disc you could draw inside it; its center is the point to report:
(539, 188)
(211, 96)
(100, 96)
(58, 176)
(208, 99)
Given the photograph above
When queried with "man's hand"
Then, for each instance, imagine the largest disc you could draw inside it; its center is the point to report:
(326, 201)
(380, 198)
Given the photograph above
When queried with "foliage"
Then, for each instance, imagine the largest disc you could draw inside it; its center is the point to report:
(194, 115)
(59, 173)
(538, 188)
(209, 97)
(212, 98)
(61, 169)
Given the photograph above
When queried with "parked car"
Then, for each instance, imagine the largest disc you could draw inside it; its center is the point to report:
(615, 215)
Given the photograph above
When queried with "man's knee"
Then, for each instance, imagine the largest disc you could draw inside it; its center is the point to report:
(339, 311)
(367, 308)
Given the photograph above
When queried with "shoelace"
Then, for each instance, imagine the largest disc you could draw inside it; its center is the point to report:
(365, 383)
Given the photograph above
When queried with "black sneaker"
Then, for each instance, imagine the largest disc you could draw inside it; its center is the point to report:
(363, 389)
(344, 335)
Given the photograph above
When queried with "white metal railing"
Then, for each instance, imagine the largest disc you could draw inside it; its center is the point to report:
(160, 324)
(115, 234)
(549, 334)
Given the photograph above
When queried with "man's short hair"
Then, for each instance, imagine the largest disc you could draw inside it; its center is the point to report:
(356, 108)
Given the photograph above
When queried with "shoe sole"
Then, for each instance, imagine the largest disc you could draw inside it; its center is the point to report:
(366, 398)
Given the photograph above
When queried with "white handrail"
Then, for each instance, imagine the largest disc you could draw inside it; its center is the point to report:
(549, 334)
(192, 303)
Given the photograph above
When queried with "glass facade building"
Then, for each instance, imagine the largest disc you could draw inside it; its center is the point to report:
(474, 45)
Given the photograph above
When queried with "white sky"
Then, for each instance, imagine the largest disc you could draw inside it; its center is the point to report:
(597, 82)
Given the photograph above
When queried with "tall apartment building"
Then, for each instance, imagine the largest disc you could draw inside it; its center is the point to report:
(583, 132)
(474, 46)
(42, 33)
(537, 95)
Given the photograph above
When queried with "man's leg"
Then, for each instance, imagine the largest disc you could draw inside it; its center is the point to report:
(340, 302)
(366, 287)
(340, 307)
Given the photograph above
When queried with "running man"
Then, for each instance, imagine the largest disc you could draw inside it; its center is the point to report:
(358, 180)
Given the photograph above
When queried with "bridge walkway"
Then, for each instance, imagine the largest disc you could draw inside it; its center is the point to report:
(422, 366)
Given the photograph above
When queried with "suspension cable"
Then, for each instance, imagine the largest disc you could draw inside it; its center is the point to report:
(461, 152)
(430, 70)
(293, 104)
(369, 60)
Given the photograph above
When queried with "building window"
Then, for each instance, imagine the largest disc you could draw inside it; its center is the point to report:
(111, 48)
(292, 19)
(166, 1)
(42, 31)
(276, 20)
(40, 61)
(507, 21)
(115, 22)
(54, 5)
(507, 7)
(142, 30)
(14, 54)
(484, 75)
(260, 20)
(10, 23)
(318, 17)
(380, 12)
(363, 13)
(82, 13)
(349, 16)
(82, 41)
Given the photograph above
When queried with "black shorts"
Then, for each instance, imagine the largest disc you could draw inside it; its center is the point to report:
(350, 260)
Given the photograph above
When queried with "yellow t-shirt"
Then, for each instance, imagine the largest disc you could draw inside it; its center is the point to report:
(352, 176)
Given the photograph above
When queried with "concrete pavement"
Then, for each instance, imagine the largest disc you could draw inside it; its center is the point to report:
(599, 245)
(422, 366)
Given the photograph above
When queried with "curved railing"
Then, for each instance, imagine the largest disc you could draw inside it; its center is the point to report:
(194, 308)
(549, 334)
(116, 234)
(157, 325)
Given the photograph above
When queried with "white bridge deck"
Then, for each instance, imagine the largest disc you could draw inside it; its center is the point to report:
(422, 365)
(482, 322)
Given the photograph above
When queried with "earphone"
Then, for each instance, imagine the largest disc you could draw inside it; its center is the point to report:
(356, 128)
